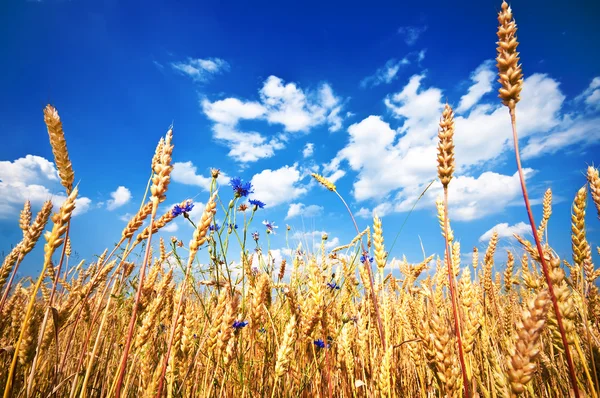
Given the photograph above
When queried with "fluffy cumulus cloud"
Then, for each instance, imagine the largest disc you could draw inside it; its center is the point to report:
(275, 187)
(281, 104)
(119, 198)
(300, 209)
(201, 70)
(32, 178)
(506, 231)
(482, 136)
(187, 173)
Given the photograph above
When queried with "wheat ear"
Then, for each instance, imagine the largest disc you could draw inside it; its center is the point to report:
(594, 180)
(198, 239)
(511, 80)
(59, 147)
(445, 171)
(54, 239)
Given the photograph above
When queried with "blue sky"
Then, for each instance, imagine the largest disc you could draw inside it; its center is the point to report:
(272, 93)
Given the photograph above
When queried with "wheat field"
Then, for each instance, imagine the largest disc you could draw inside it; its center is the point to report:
(341, 324)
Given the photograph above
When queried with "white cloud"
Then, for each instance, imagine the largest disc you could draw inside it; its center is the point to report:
(126, 217)
(290, 106)
(389, 72)
(579, 132)
(35, 179)
(246, 146)
(331, 243)
(308, 150)
(591, 95)
(386, 74)
(201, 70)
(411, 33)
(186, 173)
(281, 104)
(481, 137)
(469, 197)
(230, 110)
(483, 77)
(27, 170)
(171, 227)
(297, 209)
(275, 187)
(506, 231)
(119, 198)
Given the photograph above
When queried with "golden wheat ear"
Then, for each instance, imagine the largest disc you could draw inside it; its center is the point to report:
(509, 70)
(59, 147)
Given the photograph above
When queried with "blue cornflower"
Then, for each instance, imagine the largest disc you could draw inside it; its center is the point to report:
(214, 227)
(257, 204)
(321, 344)
(239, 324)
(255, 236)
(187, 207)
(270, 226)
(233, 226)
(333, 285)
(363, 258)
(262, 330)
(240, 188)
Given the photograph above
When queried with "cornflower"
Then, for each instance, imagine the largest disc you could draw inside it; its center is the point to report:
(177, 210)
(239, 324)
(321, 344)
(240, 188)
(270, 226)
(257, 204)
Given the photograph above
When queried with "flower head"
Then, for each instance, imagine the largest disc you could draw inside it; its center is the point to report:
(186, 208)
(214, 227)
(255, 236)
(240, 188)
(242, 207)
(270, 226)
(363, 259)
(257, 204)
(231, 227)
(239, 324)
(321, 344)
(333, 285)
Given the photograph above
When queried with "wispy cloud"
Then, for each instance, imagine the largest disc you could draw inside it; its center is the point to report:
(300, 209)
(386, 74)
(201, 70)
(389, 72)
(483, 77)
(412, 33)
(308, 150)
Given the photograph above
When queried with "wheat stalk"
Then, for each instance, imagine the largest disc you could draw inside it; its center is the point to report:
(511, 80)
